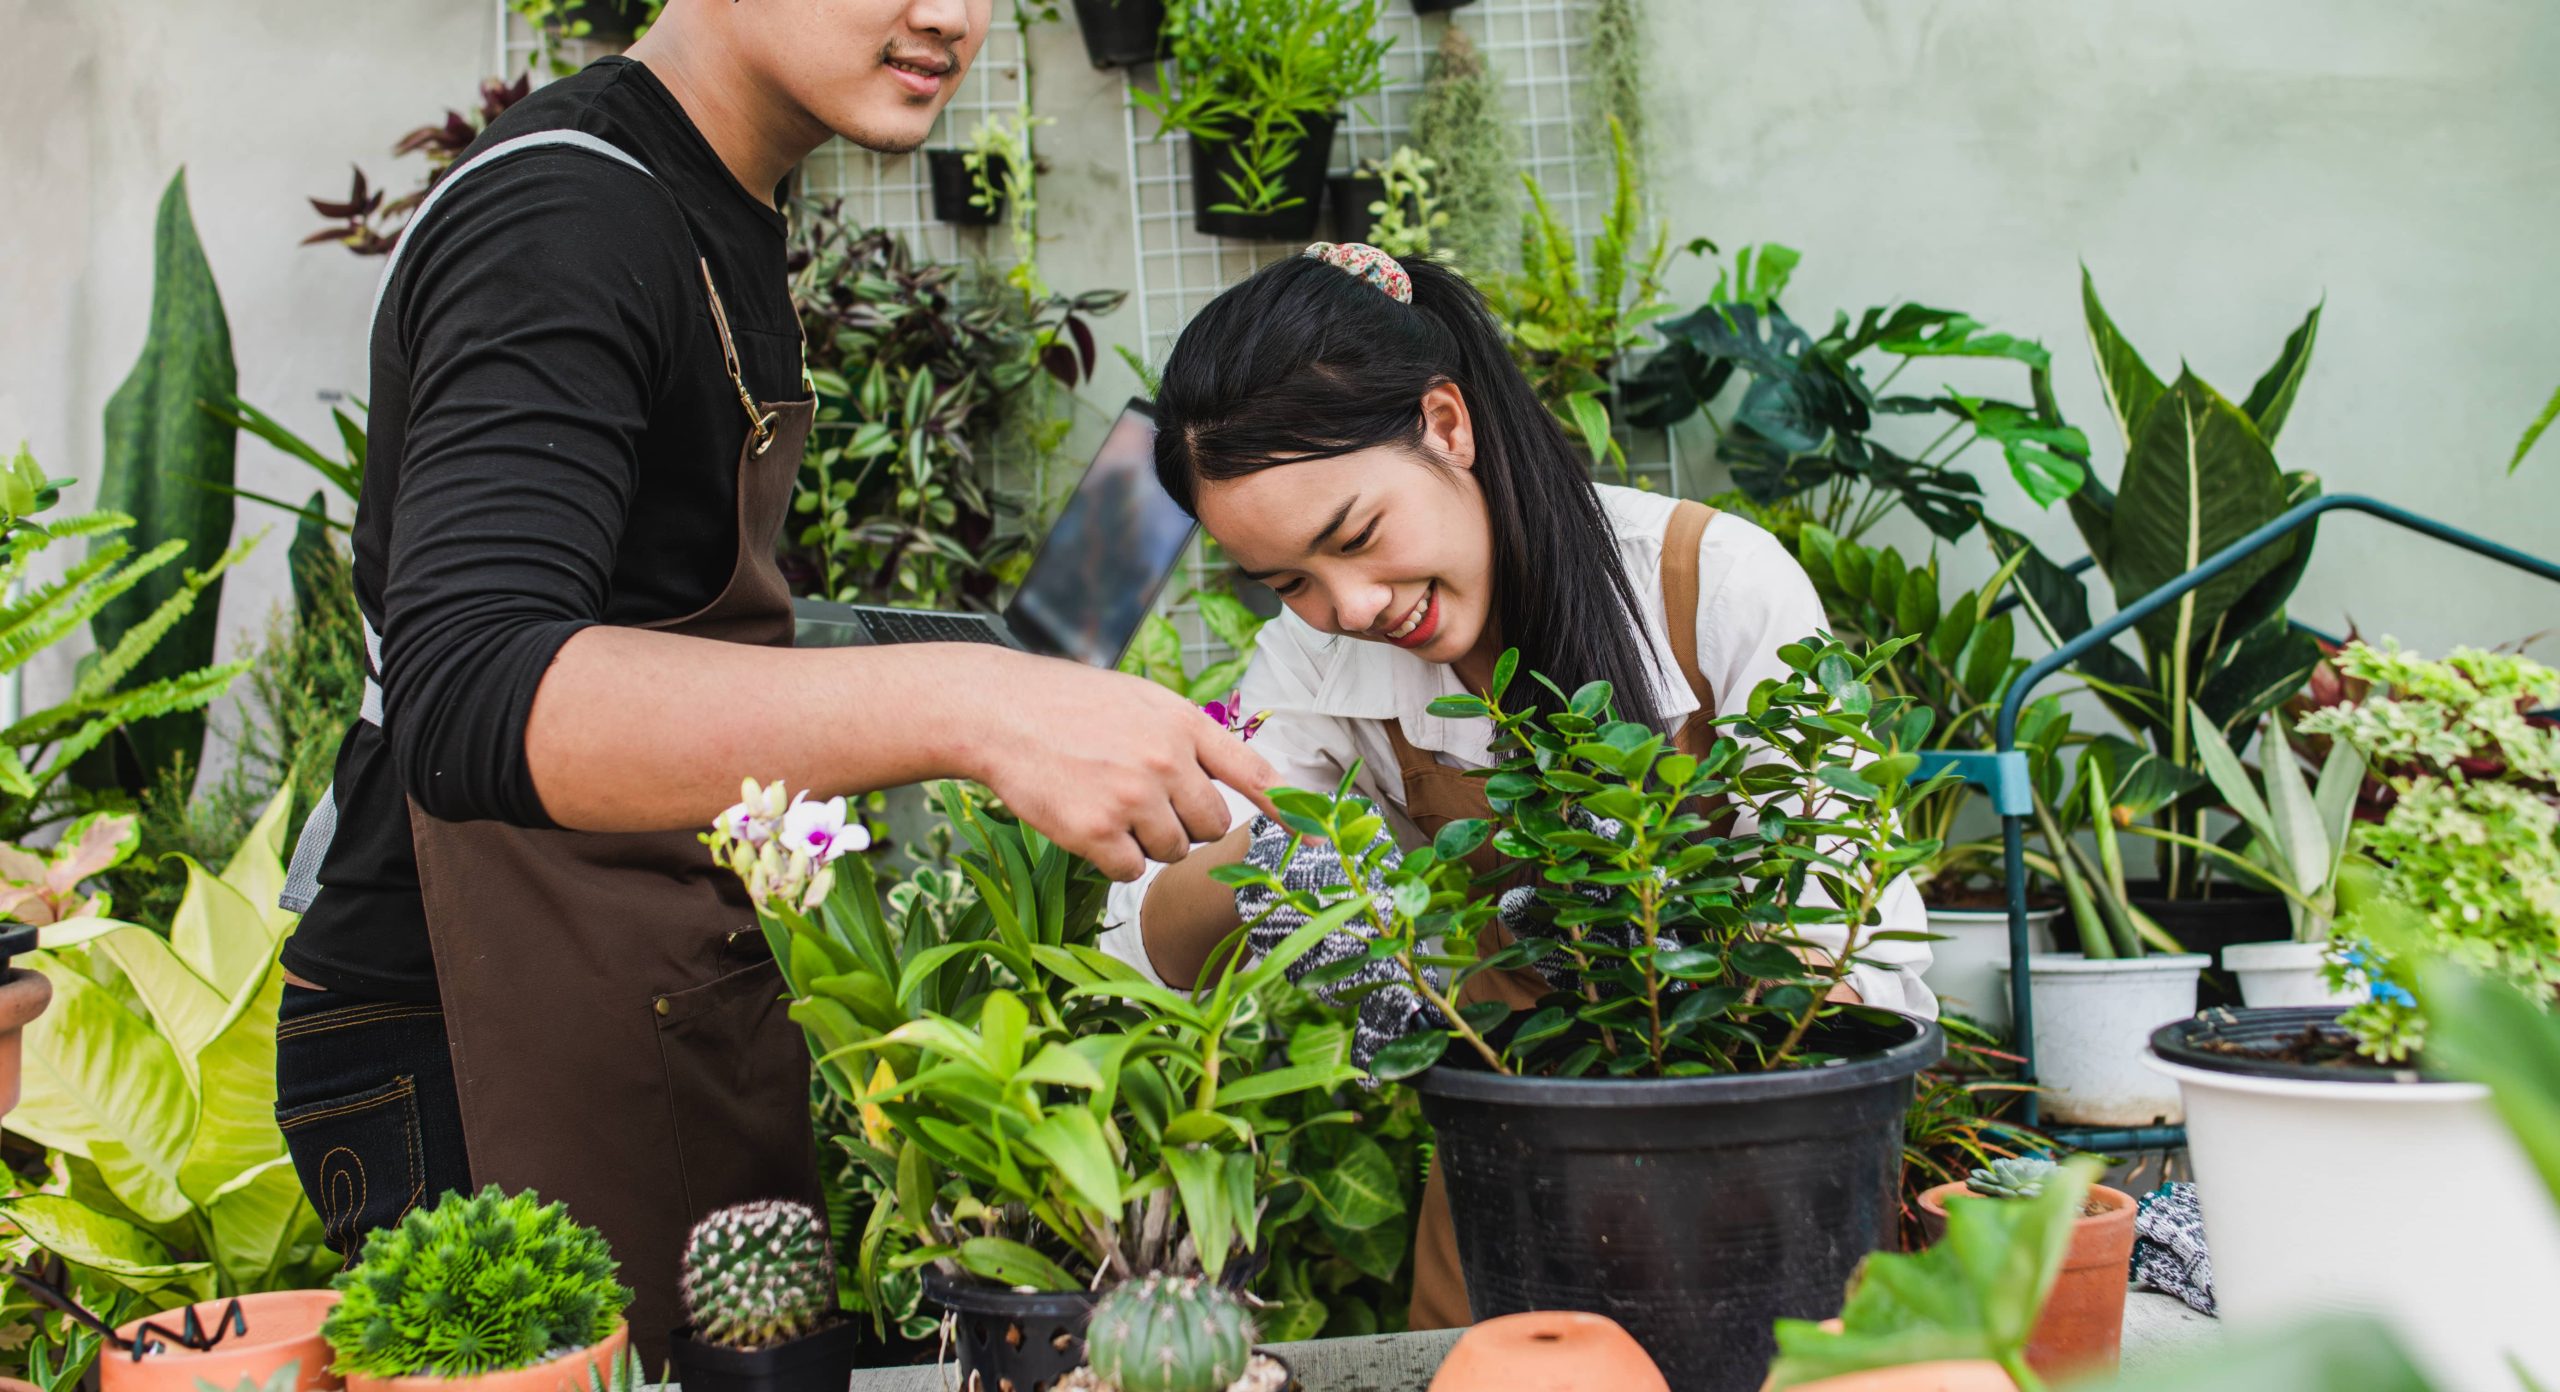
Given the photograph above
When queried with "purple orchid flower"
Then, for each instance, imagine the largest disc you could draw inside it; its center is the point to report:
(1230, 716)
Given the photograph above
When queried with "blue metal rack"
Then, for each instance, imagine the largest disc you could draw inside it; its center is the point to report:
(2002, 772)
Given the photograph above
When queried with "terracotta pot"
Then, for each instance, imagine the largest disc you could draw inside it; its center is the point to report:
(566, 1373)
(1548, 1351)
(24, 994)
(284, 1327)
(2082, 1327)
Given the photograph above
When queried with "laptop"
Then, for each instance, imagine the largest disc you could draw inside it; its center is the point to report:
(1090, 586)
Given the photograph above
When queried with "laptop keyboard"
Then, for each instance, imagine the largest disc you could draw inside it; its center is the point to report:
(910, 626)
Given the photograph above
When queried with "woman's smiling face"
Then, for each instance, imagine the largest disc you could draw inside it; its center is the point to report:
(1382, 545)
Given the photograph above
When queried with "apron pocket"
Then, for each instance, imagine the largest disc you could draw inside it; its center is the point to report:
(359, 1157)
(737, 1087)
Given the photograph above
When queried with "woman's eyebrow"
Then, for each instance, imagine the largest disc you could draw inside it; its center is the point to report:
(1341, 515)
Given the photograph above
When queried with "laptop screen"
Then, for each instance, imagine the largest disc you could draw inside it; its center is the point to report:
(1114, 546)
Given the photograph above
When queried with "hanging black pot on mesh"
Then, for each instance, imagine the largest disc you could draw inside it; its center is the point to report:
(613, 21)
(1439, 6)
(1217, 173)
(954, 188)
(1122, 33)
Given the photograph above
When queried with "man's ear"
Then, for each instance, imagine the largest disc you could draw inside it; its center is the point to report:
(1447, 430)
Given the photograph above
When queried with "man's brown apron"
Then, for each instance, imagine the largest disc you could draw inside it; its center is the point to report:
(617, 1022)
(1436, 795)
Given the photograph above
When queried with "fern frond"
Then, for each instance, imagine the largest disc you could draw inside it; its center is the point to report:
(110, 669)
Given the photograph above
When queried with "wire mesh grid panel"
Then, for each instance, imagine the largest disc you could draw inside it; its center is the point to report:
(1537, 47)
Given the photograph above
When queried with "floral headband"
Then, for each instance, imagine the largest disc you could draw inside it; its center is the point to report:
(1369, 264)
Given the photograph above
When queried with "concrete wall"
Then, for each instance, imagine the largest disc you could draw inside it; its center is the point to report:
(2220, 167)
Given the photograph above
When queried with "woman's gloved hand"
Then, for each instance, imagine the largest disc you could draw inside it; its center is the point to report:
(1389, 1007)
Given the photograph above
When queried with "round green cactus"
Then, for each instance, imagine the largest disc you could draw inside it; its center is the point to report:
(758, 1274)
(482, 1283)
(2020, 1178)
(1167, 1335)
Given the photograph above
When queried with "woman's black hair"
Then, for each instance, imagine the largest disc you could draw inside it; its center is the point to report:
(1304, 361)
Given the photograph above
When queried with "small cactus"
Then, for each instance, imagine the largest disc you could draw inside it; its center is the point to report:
(2019, 1178)
(758, 1274)
(1168, 1335)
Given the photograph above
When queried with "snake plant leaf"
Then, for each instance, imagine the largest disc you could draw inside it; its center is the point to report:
(2198, 478)
(1974, 1295)
(2231, 783)
(2271, 400)
(166, 463)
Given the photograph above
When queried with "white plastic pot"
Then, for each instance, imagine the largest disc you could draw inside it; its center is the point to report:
(2283, 973)
(1965, 965)
(2093, 1020)
(2409, 1201)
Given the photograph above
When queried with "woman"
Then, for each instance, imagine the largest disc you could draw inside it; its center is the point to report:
(1354, 434)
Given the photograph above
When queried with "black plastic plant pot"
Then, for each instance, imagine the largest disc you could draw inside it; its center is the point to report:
(1008, 1338)
(1439, 6)
(2301, 1042)
(615, 21)
(953, 186)
(1693, 1211)
(2232, 915)
(1212, 161)
(821, 1362)
(1347, 198)
(1122, 33)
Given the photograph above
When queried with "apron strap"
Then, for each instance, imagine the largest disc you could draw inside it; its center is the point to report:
(302, 876)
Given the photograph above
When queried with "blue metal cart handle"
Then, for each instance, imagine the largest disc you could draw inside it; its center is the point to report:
(2003, 772)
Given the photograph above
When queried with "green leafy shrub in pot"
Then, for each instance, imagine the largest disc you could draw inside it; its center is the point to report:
(1261, 75)
(1035, 1113)
(478, 1283)
(1685, 1004)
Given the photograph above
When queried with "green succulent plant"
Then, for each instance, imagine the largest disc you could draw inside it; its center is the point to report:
(2012, 1177)
(1168, 1335)
(758, 1274)
(480, 1283)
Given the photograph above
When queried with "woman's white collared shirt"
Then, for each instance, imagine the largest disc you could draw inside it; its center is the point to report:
(1330, 699)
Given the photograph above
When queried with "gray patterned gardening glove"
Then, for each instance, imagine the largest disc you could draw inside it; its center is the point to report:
(1525, 917)
(1390, 1007)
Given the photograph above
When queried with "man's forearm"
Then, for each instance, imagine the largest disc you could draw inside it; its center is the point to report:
(639, 731)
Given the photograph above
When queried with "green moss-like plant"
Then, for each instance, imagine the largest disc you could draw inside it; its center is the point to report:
(480, 1283)
(1461, 127)
(1614, 88)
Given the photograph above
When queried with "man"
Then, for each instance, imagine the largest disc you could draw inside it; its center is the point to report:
(518, 966)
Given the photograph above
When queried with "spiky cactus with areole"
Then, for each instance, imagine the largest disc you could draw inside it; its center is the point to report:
(758, 1274)
(1167, 1335)
(2021, 1177)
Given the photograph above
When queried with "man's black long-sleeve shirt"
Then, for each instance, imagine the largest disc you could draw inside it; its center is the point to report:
(554, 444)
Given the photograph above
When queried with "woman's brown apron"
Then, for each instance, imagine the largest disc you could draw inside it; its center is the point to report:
(617, 1022)
(1436, 795)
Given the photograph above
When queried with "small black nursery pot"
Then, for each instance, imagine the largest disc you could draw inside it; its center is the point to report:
(954, 187)
(1439, 6)
(820, 1362)
(1123, 33)
(1213, 161)
(1006, 1338)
